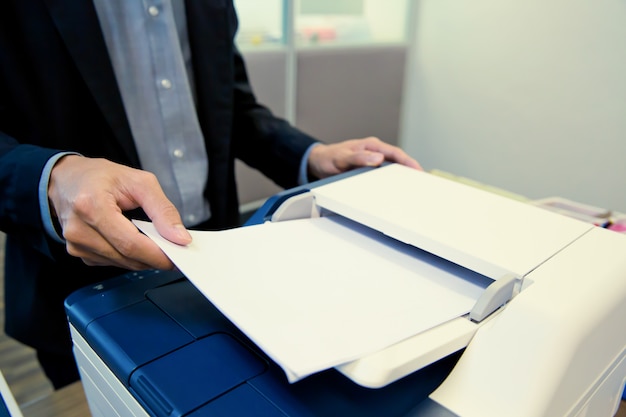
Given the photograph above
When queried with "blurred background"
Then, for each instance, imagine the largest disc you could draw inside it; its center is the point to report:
(523, 95)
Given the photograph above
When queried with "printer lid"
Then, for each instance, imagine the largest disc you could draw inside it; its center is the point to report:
(479, 230)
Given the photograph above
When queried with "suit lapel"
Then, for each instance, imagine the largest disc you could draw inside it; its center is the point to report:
(78, 25)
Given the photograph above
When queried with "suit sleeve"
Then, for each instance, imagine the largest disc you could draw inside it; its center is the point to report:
(262, 140)
(21, 166)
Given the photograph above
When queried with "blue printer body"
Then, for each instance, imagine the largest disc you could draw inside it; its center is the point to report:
(177, 355)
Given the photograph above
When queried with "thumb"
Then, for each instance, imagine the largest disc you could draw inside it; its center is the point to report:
(164, 215)
(172, 229)
(169, 225)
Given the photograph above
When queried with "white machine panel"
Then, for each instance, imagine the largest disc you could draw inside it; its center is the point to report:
(482, 231)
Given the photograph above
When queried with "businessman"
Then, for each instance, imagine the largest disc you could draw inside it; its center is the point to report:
(119, 109)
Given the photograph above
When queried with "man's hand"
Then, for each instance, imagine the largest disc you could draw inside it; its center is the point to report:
(88, 197)
(327, 160)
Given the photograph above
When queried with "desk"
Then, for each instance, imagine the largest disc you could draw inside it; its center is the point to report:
(69, 401)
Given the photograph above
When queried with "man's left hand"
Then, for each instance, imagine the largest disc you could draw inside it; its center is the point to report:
(330, 159)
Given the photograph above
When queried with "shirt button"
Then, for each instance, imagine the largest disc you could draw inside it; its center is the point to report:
(165, 83)
(153, 10)
(191, 218)
(178, 153)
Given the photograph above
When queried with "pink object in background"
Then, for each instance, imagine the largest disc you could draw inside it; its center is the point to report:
(618, 225)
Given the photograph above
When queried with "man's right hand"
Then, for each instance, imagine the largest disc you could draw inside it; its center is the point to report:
(88, 196)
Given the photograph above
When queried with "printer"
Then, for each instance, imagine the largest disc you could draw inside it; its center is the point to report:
(544, 336)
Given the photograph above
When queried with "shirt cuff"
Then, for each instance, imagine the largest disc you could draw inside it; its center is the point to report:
(303, 177)
(44, 205)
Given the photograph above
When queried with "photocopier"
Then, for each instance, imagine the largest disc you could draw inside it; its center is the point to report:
(545, 336)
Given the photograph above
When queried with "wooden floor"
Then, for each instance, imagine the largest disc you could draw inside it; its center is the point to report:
(31, 389)
(18, 362)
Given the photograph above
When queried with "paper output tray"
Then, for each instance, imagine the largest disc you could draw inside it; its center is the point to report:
(388, 365)
(499, 238)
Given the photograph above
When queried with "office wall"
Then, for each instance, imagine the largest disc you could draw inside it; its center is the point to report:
(529, 95)
(350, 92)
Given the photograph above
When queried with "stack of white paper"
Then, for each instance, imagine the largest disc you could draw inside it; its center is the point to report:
(316, 293)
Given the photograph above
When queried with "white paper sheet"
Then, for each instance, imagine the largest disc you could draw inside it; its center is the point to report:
(316, 293)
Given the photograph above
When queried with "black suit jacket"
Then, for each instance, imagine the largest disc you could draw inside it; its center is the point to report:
(58, 92)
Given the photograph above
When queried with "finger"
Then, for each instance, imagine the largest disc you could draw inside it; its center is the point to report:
(130, 246)
(92, 259)
(391, 153)
(362, 159)
(404, 159)
(151, 198)
(116, 245)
